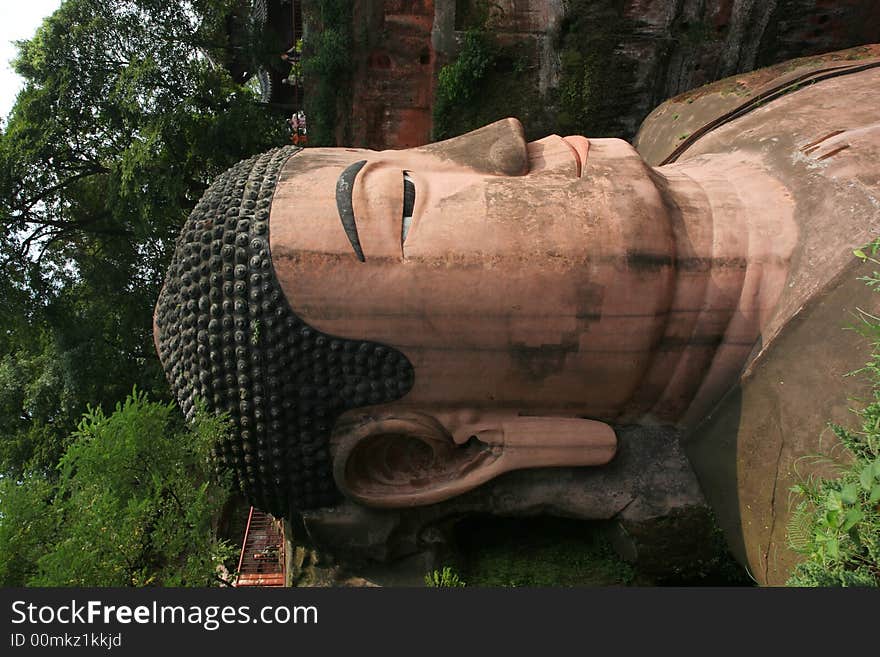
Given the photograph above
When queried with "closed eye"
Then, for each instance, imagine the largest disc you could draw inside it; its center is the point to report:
(409, 202)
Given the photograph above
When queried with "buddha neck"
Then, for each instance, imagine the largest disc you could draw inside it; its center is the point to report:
(733, 233)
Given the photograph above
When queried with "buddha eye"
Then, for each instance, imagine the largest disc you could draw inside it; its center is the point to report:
(409, 202)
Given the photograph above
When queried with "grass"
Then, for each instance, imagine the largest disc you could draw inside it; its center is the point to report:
(444, 578)
(513, 552)
(559, 552)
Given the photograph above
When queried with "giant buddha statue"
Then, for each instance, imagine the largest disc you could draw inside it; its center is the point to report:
(492, 325)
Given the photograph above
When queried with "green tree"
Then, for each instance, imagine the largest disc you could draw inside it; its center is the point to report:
(134, 505)
(123, 122)
(25, 527)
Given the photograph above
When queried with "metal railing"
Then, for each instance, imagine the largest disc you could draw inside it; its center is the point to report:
(262, 559)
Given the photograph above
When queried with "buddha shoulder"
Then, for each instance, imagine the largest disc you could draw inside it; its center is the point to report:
(682, 122)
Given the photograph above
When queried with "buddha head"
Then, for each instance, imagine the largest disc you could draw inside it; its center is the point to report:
(404, 326)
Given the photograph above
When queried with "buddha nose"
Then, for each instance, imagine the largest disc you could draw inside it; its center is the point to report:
(498, 149)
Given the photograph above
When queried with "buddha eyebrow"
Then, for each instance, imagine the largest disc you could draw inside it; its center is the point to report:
(344, 204)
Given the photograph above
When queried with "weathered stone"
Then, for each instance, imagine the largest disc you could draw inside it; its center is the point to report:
(665, 47)
(648, 491)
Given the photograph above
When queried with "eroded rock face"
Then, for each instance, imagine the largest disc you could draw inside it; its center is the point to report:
(657, 49)
(394, 80)
(676, 45)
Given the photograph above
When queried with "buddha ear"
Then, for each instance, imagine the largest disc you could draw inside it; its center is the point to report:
(405, 460)
(497, 149)
(410, 459)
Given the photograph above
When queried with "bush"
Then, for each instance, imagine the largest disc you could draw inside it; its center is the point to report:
(327, 68)
(593, 79)
(25, 526)
(446, 578)
(135, 505)
(458, 83)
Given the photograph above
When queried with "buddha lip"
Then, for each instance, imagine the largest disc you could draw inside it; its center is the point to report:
(580, 147)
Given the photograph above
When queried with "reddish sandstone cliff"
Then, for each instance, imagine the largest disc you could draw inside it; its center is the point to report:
(395, 72)
(659, 48)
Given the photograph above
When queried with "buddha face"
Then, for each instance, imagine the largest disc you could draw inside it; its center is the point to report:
(417, 322)
(523, 281)
(524, 259)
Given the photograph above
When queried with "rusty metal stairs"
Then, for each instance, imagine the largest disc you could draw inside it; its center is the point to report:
(262, 559)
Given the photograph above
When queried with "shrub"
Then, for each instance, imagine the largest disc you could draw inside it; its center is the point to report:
(593, 78)
(135, 505)
(445, 578)
(326, 67)
(458, 83)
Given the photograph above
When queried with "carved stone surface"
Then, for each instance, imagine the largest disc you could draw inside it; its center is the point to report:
(395, 67)
(410, 459)
(648, 483)
(819, 138)
(675, 124)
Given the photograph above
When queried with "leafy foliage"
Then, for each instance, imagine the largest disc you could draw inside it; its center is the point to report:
(458, 83)
(133, 506)
(25, 527)
(123, 122)
(326, 67)
(592, 79)
(445, 578)
(490, 80)
(837, 521)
